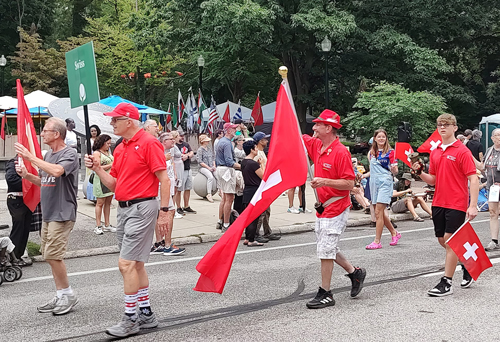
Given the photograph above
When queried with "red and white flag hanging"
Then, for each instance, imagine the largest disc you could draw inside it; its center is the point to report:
(431, 143)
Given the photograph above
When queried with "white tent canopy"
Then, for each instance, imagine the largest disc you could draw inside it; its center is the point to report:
(8, 102)
(39, 98)
(233, 107)
(495, 118)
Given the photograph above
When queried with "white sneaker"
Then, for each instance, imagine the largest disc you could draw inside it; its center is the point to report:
(98, 230)
(492, 246)
(109, 228)
(307, 210)
(177, 215)
(293, 210)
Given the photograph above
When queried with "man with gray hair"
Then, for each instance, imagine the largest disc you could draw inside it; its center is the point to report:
(468, 136)
(151, 126)
(58, 180)
(475, 146)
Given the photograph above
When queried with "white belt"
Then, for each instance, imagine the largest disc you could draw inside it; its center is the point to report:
(15, 193)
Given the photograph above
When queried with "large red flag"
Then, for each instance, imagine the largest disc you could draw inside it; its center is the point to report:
(467, 246)
(257, 115)
(227, 114)
(431, 144)
(4, 122)
(26, 136)
(282, 173)
(403, 150)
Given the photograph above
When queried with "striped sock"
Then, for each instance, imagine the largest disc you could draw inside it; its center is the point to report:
(143, 299)
(131, 304)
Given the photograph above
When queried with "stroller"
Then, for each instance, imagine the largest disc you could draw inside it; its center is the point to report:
(9, 264)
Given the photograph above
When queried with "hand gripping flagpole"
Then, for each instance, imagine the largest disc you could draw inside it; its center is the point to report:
(283, 71)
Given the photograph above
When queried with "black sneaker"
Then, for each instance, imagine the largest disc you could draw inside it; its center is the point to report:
(467, 279)
(394, 224)
(218, 225)
(189, 210)
(357, 279)
(272, 237)
(373, 224)
(442, 289)
(180, 211)
(261, 239)
(322, 300)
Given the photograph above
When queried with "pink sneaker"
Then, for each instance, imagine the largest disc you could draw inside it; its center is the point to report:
(395, 239)
(374, 245)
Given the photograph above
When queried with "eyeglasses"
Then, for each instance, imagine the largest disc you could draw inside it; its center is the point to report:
(446, 125)
(48, 130)
(113, 120)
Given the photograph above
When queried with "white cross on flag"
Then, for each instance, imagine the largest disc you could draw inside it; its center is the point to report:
(282, 173)
(403, 150)
(467, 246)
(431, 143)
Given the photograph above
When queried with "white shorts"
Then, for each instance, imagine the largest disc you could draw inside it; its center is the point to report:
(328, 232)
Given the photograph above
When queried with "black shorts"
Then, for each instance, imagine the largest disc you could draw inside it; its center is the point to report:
(447, 220)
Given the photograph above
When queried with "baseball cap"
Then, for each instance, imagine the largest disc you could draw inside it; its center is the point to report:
(124, 109)
(238, 121)
(260, 135)
(329, 117)
(229, 125)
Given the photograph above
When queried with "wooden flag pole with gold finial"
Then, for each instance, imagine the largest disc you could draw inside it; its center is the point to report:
(283, 71)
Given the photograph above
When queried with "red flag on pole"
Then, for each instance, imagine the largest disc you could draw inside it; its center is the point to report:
(26, 136)
(227, 114)
(403, 150)
(430, 144)
(257, 115)
(4, 122)
(467, 246)
(282, 173)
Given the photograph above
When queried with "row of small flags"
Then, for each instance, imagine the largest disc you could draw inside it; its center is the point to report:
(192, 110)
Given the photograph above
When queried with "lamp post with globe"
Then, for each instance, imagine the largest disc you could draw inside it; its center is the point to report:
(326, 46)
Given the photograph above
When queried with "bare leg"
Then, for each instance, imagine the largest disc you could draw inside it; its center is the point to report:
(98, 211)
(388, 223)
(410, 204)
(128, 269)
(326, 273)
(493, 208)
(382, 219)
(177, 198)
(451, 259)
(344, 263)
(107, 209)
(143, 276)
(424, 206)
(228, 202)
(170, 226)
(221, 205)
(301, 197)
(291, 192)
(59, 273)
(187, 193)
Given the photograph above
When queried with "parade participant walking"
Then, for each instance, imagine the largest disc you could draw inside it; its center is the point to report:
(492, 165)
(138, 167)
(104, 196)
(382, 167)
(403, 201)
(225, 174)
(187, 177)
(205, 158)
(252, 175)
(333, 180)
(451, 165)
(58, 180)
(162, 241)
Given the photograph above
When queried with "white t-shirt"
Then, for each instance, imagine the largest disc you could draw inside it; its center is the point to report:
(70, 138)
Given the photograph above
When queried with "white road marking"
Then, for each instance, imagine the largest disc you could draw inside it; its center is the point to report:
(173, 261)
(458, 268)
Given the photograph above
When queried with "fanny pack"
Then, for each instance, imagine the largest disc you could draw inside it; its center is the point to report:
(320, 207)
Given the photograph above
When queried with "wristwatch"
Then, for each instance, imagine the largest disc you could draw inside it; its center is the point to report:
(165, 209)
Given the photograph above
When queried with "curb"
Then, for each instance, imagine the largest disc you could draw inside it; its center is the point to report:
(202, 238)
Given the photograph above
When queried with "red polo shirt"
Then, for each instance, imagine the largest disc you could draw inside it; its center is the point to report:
(451, 168)
(333, 163)
(134, 167)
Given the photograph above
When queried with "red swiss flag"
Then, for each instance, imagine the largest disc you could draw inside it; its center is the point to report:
(431, 143)
(257, 115)
(282, 173)
(403, 150)
(227, 114)
(469, 250)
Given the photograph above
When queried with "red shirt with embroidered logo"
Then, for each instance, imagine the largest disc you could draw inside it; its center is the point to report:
(333, 163)
(451, 168)
(136, 161)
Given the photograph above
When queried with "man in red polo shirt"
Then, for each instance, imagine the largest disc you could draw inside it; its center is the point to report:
(451, 166)
(333, 180)
(138, 166)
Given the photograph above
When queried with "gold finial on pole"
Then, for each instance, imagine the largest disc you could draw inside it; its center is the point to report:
(283, 71)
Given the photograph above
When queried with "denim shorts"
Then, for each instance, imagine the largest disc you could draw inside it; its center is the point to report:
(381, 189)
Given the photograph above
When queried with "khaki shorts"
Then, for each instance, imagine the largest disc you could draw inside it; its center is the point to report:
(54, 237)
(226, 179)
(399, 206)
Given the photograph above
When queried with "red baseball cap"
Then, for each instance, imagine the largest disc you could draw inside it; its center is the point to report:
(125, 109)
(329, 117)
(229, 125)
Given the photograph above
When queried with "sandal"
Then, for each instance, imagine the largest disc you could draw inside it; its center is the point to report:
(418, 219)
(374, 245)
(255, 244)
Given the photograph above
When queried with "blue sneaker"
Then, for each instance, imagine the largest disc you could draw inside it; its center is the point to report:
(173, 250)
(158, 250)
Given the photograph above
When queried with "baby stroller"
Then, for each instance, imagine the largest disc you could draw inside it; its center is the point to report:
(9, 269)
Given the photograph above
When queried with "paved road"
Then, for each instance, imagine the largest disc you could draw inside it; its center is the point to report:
(265, 296)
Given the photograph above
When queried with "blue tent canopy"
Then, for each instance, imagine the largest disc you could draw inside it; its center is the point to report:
(152, 111)
(33, 111)
(115, 100)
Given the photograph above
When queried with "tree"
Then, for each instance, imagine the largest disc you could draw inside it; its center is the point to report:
(385, 105)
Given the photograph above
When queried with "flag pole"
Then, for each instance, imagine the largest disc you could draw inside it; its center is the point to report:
(283, 71)
(87, 129)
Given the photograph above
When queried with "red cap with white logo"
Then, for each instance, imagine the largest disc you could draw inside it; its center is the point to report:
(124, 109)
(329, 117)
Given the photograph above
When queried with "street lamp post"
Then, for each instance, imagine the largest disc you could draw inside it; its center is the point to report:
(201, 64)
(326, 45)
(3, 63)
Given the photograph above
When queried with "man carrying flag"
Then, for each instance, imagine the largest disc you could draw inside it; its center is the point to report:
(451, 166)
(333, 180)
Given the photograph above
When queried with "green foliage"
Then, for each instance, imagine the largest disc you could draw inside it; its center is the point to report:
(386, 105)
(33, 249)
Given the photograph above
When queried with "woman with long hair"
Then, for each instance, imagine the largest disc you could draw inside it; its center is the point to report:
(104, 196)
(383, 166)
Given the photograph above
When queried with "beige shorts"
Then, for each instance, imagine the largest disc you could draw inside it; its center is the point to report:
(226, 179)
(399, 206)
(54, 237)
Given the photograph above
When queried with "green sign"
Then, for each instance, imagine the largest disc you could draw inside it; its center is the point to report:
(82, 75)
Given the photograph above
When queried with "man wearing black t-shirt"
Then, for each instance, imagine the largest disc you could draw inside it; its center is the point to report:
(475, 146)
